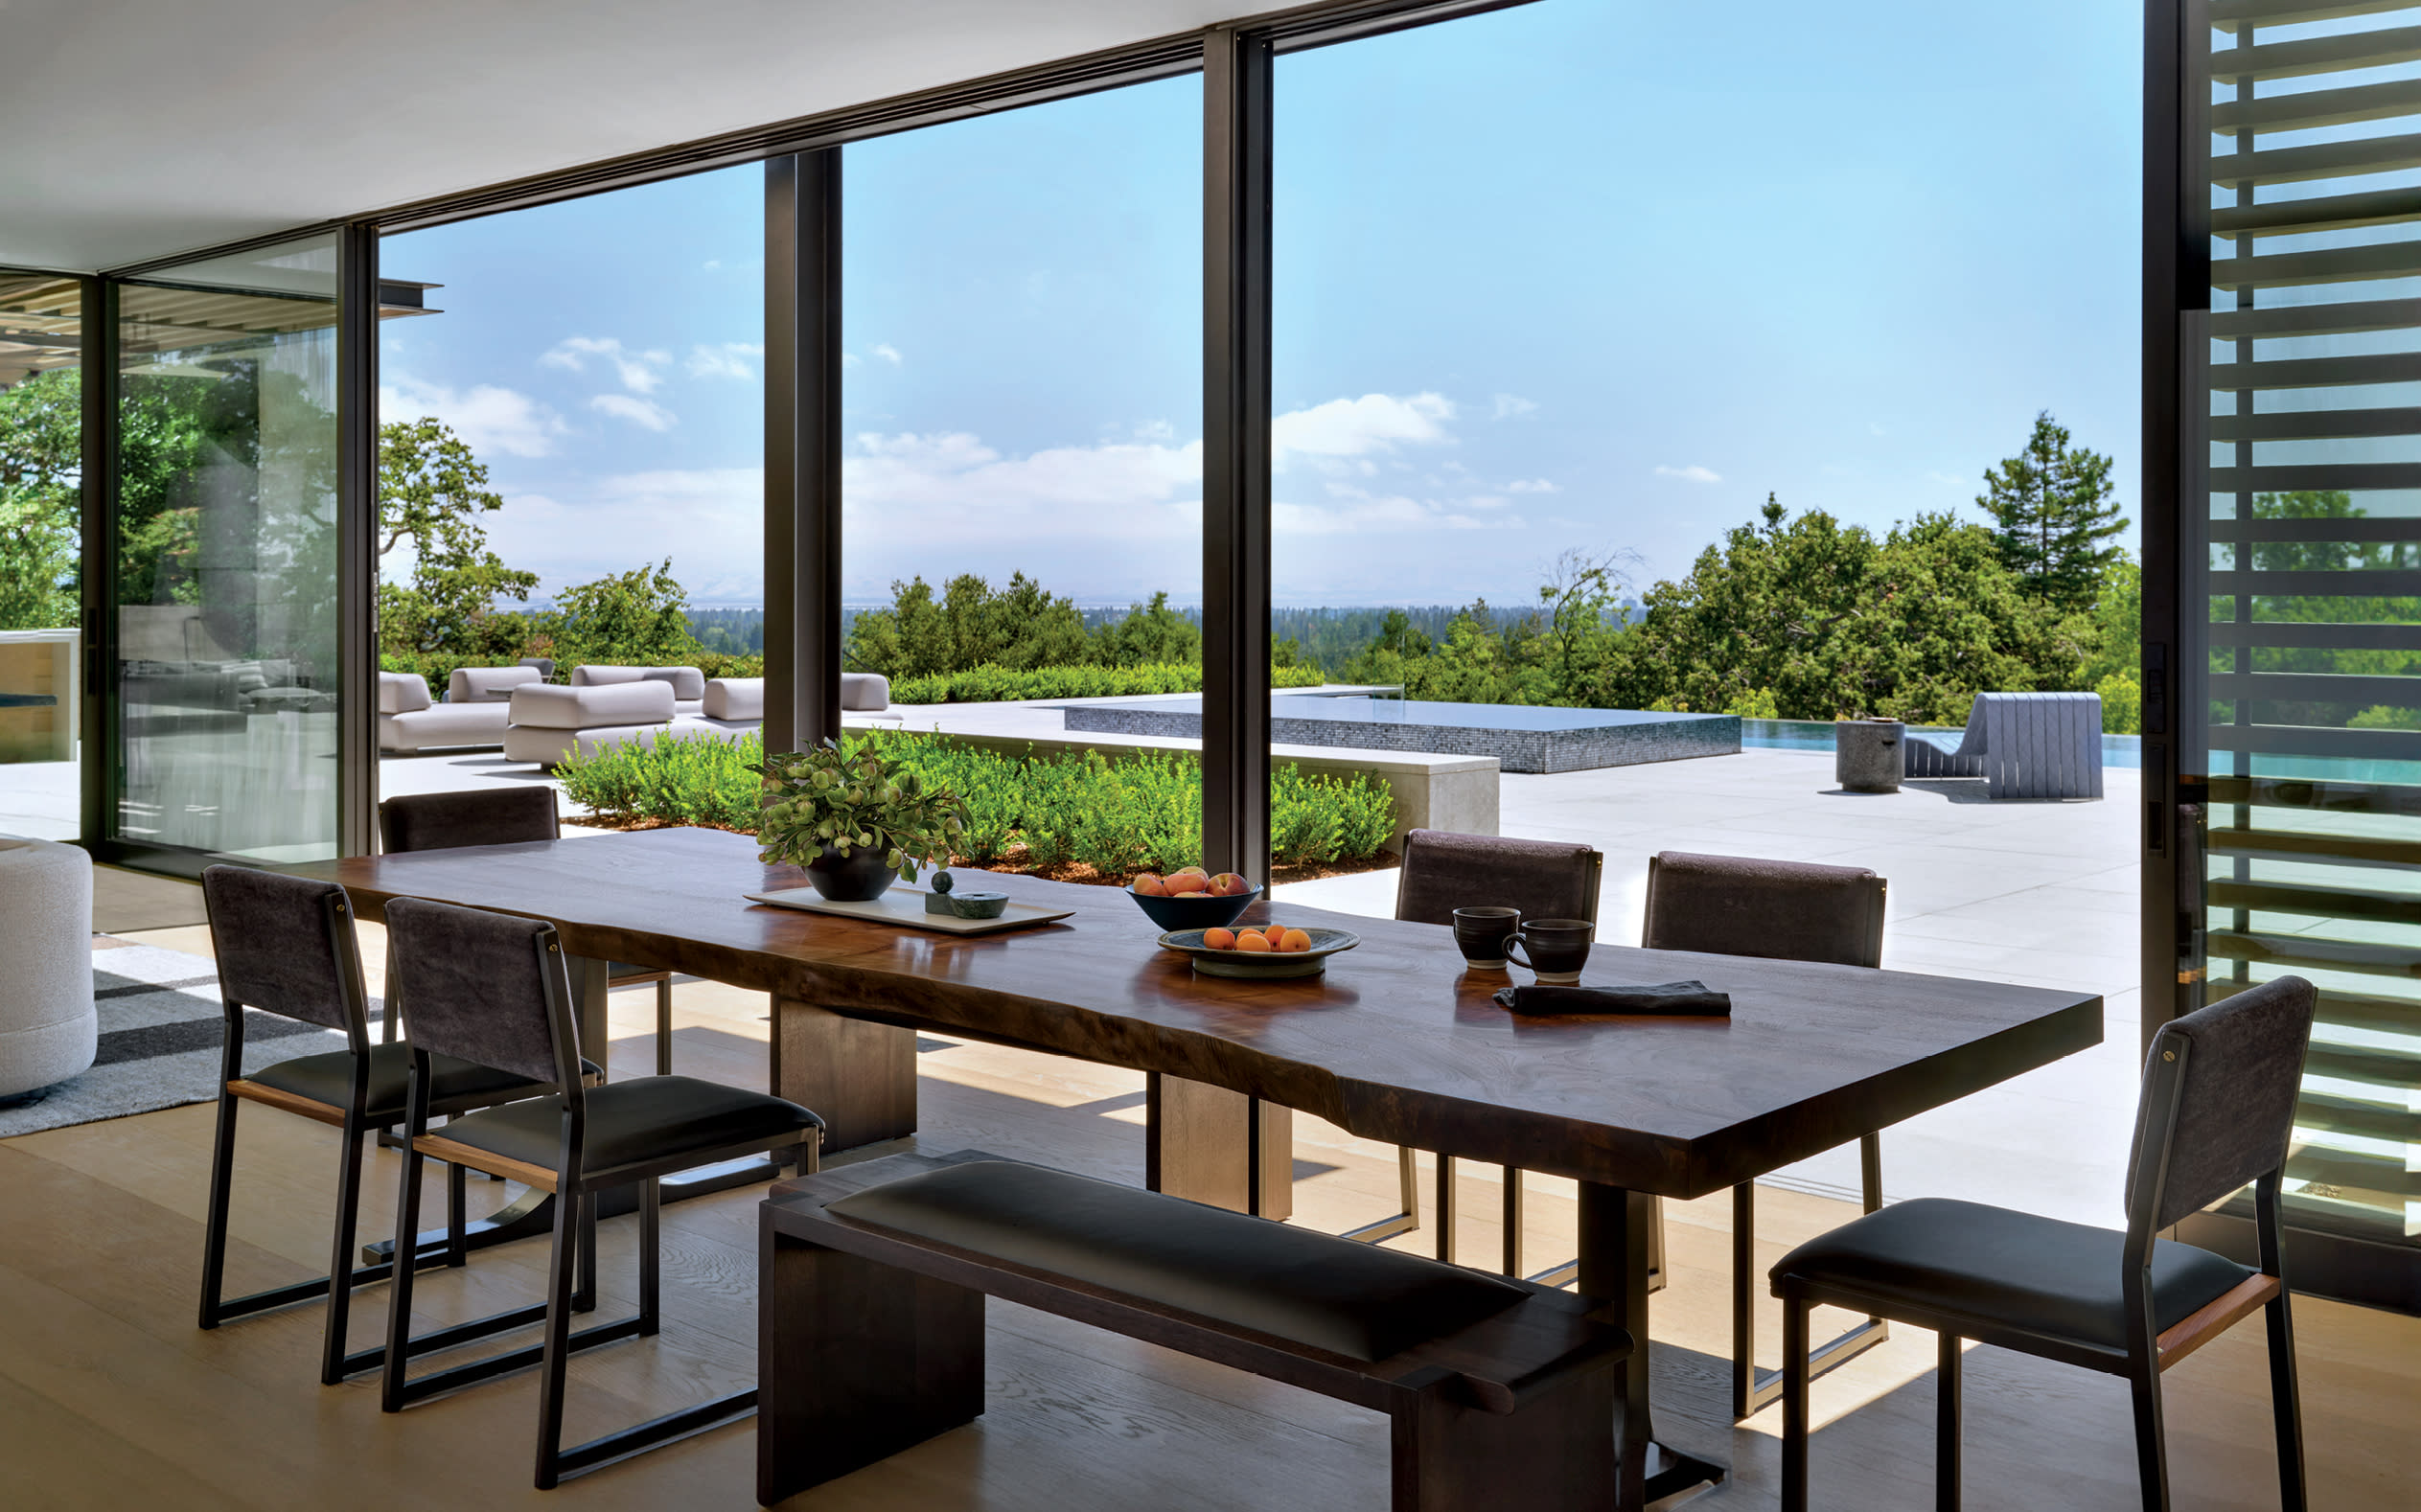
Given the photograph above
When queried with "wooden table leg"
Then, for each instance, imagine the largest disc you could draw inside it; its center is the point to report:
(1616, 1229)
(1215, 1146)
(859, 1076)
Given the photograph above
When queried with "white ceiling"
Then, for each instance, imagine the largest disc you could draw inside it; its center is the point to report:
(138, 129)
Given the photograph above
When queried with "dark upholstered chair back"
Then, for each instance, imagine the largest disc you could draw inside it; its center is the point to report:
(286, 945)
(1781, 910)
(1544, 878)
(2218, 1098)
(489, 988)
(438, 821)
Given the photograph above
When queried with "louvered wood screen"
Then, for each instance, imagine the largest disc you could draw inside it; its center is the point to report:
(2312, 366)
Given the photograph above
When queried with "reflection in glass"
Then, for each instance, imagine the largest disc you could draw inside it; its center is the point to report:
(42, 501)
(226, 576)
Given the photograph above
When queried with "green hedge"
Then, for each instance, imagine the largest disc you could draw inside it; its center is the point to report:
(1139, 812)
(994, 684)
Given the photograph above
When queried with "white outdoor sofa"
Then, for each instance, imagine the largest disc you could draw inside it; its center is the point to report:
(477, 708)
(2023, 745)
(604, 705)
(688, 683)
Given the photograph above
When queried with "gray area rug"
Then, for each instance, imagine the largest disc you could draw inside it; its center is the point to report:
(162, 1034)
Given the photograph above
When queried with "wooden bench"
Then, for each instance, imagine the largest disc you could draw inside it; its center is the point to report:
(870, 1323)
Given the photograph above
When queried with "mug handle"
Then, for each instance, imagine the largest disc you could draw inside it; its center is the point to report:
(1512, 952)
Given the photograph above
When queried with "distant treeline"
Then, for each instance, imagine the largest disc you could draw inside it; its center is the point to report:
(734, 632)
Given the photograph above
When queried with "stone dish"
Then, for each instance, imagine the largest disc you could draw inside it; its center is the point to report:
(1258, 965)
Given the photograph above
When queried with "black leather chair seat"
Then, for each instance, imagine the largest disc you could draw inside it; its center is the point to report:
(1314, 1289)
(329, 1079)
(648, 1119)
(2005, 1270)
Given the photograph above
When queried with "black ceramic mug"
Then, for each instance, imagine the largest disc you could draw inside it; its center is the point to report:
(1481, 933)
(1558, 947)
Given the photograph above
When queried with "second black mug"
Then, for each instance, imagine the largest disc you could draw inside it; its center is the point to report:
(1557, 947)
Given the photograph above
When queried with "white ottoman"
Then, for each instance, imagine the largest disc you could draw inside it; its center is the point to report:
(48, 1028)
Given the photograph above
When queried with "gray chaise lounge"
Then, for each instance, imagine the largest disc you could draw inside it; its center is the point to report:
(2023, 745)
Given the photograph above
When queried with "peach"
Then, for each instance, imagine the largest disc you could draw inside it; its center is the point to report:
(1188, 877)
(1218, 939)
(1147, 884)
(1295, 940)
(1227, 884)
(1251, 944)
(1189, 895)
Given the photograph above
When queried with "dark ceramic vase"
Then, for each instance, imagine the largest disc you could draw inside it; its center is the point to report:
(857, 878)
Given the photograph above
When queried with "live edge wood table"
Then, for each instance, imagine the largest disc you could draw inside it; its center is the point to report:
(1397, 1042)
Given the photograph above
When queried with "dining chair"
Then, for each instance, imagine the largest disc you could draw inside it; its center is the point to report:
(1443, 871)
(2216, 1113)
(505, 815)
(1780, 910)
(493, 990)
(286, 945)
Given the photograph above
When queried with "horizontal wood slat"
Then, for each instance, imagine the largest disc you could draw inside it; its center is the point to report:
(2215, 1318)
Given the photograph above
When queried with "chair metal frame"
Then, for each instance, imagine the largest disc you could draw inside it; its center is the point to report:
(2149, 1351)
(576, 1190)
(1407, 1171)
(352, 1121)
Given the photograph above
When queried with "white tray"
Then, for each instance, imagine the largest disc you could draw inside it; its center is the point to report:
(906, 905)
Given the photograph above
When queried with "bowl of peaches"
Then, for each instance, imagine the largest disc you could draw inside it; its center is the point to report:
(1193, 899)
(1265, 951)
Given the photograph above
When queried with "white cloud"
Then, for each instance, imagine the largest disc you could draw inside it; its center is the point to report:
(638, 370)
(888, 352)
(726, 359)
(850, 359)
(617, 522)
(1531, 486)
(1949, 480)
(1692, 474)
(1352, 427)
(1508, 405)
(641, 412)
(492, 420)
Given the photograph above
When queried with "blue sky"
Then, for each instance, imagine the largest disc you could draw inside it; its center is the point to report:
(1578, 274)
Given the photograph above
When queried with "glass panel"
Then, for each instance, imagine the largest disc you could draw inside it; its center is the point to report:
(226, 580)
(1022, 479)
(41, 665)
(2312, 578)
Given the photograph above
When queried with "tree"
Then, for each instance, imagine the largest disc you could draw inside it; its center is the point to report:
(1815, 620)
(2053, 511)
(431, 492)
(40, 500)
(636, 618)
(1151, 632)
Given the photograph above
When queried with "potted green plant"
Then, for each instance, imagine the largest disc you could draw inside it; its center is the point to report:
(853, 818)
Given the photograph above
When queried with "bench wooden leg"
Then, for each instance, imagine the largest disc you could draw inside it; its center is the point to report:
(1556, 1454)
(856, 1361)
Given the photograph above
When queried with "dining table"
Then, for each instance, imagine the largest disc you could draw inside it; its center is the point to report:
(1395, 1040)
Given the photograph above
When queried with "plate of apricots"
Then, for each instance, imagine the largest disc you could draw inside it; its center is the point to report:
(1191, 897)
(1260, 950)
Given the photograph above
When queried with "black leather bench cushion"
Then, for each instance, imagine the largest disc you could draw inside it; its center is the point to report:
(2014, 1268)
(629, 1123)
(329, 1079)
(1349, 1298)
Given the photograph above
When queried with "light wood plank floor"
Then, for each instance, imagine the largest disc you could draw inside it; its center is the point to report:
(109, 1396)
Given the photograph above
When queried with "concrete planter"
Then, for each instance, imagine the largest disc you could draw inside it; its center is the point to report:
(1866, 754)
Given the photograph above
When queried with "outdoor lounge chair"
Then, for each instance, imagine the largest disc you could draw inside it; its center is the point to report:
(2023, 745)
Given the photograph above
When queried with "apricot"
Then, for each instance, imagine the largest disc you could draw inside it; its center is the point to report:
(1294, 940)
(1147, 884)
(1218, 939)
(1251, 944)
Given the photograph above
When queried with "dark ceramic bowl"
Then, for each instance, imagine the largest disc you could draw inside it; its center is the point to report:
(1196, 914)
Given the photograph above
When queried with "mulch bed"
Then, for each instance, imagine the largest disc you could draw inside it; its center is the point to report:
(1067, 871)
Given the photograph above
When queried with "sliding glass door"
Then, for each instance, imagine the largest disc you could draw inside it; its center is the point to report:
(225, 591)
(41, 503)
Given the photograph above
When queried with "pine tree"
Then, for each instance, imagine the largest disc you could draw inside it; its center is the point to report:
(2054, 514)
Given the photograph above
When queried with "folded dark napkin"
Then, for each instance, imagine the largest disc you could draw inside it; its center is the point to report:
(1684, 1000)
